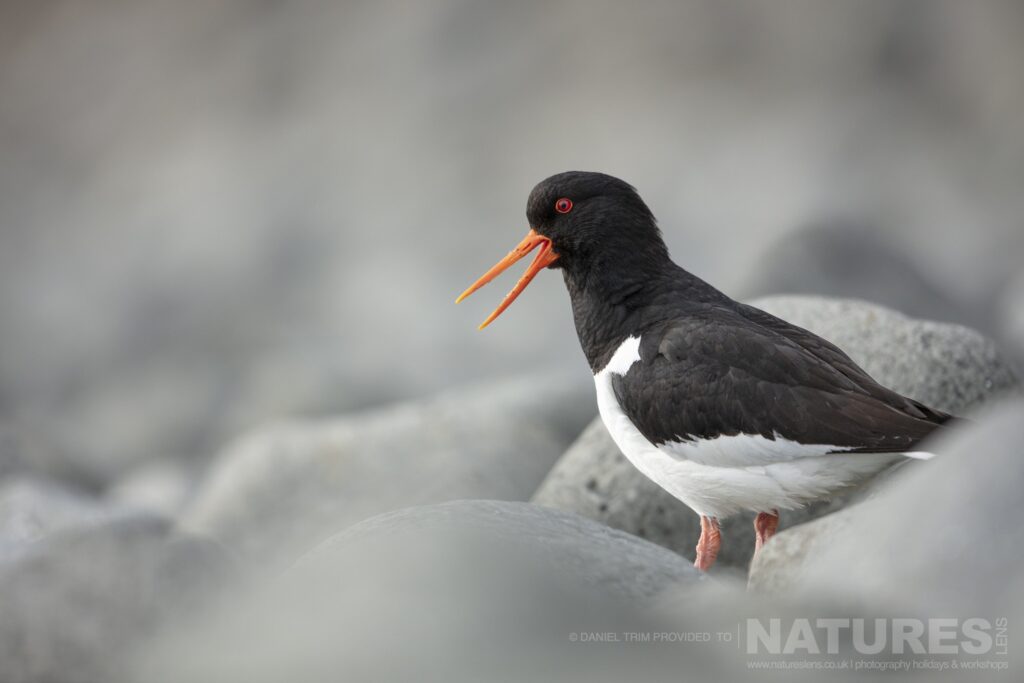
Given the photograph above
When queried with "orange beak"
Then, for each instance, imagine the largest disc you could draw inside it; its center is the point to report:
(545, 257)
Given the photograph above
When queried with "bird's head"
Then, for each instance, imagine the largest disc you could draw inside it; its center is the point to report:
(579, 220)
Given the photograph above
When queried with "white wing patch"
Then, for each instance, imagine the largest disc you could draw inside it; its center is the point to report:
(623, 358)
(744, 450)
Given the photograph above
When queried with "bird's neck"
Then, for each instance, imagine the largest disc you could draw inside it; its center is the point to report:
(620, 296)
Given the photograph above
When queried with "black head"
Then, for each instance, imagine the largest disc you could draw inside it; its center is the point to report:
(588, 215)
(594, 227)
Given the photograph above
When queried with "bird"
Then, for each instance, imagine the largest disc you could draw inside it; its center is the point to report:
(726, 407)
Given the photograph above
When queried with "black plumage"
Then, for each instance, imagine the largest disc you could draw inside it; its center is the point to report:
(728, 369)
(709, 365)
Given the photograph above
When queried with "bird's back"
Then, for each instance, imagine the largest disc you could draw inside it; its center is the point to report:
(726, 368)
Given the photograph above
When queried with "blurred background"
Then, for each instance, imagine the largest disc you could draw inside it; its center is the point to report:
(216, 213)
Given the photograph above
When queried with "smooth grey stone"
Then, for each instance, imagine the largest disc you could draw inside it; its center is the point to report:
(465, 590)
(577, 550)
(279, 491)
(76, 603)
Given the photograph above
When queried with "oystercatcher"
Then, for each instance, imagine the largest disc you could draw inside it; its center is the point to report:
(726, 407)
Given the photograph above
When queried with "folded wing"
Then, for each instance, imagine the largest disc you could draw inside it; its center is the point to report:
(715, 374)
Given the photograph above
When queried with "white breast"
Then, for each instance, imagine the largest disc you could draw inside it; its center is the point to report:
(722, 476)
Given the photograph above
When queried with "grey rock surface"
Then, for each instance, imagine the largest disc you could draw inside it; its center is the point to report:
(459, 591)
(75, 604)
(16, 451)
(1011, 318)
(587, 555)
(944, 539)
(162, 487)
(279, 491)
(30, 452)
(779, 568)
(462, 592)
(31, 509)
(946, 366)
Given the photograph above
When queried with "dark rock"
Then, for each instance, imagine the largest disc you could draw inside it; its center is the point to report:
(281, 490)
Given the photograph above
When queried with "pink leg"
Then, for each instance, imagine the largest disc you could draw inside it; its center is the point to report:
(765, 525)
(709, 543)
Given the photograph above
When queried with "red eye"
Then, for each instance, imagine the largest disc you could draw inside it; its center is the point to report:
(563, 205)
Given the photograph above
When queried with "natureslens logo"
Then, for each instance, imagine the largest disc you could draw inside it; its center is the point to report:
(895, 643)
(896, 635)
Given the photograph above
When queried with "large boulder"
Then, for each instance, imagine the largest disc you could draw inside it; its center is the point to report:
(572, 548)
(779, 568)
(947, 366)
(77, 601)
(466, 590)
(279, 491)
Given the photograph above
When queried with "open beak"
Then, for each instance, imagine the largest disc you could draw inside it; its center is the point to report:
(545, 257)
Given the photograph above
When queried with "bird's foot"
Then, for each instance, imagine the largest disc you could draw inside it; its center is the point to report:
(709, 543)
(765, 525)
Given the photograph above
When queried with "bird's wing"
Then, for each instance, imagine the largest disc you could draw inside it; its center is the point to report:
(834, 356)
(724, 373)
